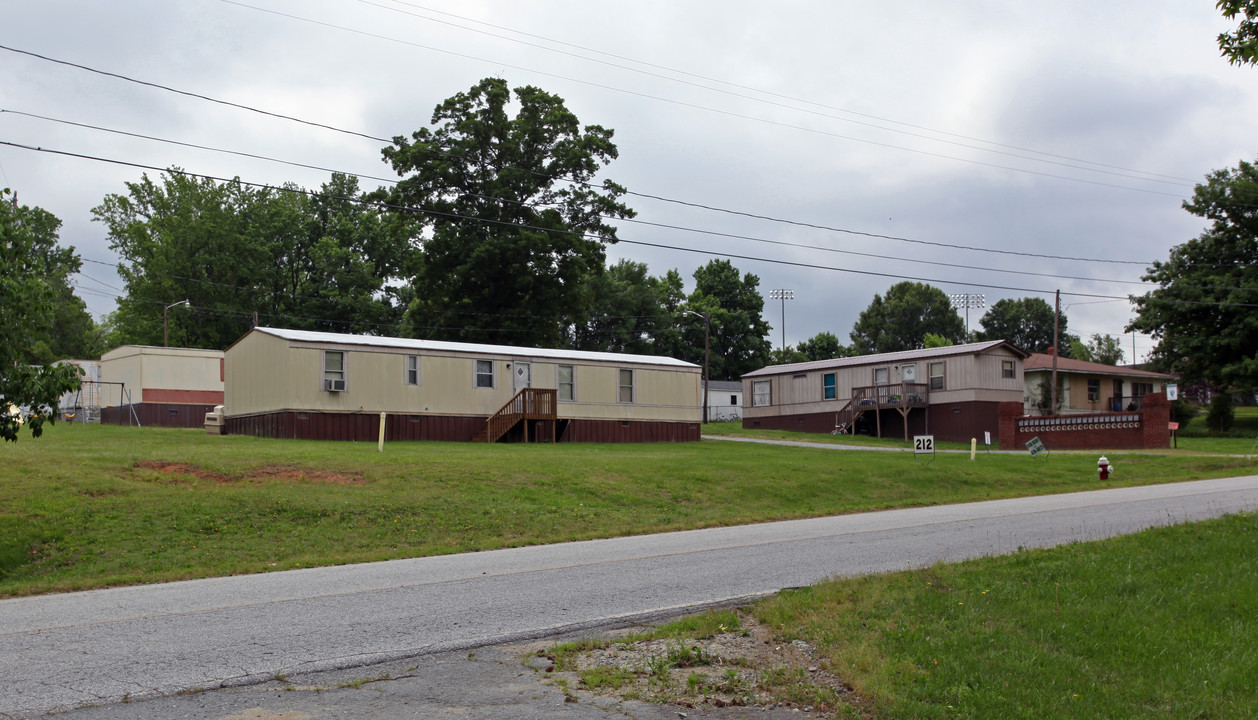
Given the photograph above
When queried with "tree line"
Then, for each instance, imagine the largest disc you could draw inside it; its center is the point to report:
(497, 231)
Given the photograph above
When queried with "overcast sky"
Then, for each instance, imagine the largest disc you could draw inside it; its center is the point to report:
(1070, 129)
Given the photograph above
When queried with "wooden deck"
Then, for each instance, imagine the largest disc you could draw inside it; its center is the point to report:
(902, 397)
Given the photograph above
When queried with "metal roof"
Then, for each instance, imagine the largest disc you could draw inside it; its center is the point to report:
(887, 358)
(310, 336)
(1042, 361)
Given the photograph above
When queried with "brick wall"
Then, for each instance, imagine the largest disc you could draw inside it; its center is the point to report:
(1147, 428)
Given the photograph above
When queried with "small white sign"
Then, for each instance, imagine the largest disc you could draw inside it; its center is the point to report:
(1172, 392)
(987, 437)
(924, 444)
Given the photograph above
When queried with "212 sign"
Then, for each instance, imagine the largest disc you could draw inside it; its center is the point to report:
(924, 444)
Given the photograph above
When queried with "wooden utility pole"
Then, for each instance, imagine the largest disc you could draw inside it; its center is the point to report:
(1052, 390)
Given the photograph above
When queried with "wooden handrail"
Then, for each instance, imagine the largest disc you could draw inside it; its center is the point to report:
(528, 404)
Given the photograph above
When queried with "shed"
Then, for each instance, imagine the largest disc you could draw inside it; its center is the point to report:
(725, 400)
(951, 392)
(163, 386)
(318, 385)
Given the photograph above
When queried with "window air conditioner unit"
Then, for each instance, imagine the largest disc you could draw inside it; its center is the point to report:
(334, 385)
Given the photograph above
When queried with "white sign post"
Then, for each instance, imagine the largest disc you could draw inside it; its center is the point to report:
(924, 445)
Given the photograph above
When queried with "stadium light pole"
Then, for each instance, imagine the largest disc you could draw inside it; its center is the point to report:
(166, 324)
(707, 373)
(967, 301)
(782, 294)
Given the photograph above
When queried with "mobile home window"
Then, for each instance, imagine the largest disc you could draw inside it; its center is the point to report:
(626, 386)
(760, 393)
(1006, 369)
(1094, 389)
(484, 373)
(936, 376)
(829, 386)
(412, 369)
(333, 370)
(733, 400)
(881, 376)
(566, 381)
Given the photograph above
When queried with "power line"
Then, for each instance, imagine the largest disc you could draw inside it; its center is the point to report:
(445, 152)
(669, 226)
(378, 36)
(713, 253)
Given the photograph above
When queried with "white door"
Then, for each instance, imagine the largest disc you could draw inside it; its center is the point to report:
(522, 375)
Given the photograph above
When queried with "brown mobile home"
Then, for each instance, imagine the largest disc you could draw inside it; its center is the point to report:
(950, 392)
(171, 387)
(315, 385)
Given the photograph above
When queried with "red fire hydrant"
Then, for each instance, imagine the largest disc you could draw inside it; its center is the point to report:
(1104, 468)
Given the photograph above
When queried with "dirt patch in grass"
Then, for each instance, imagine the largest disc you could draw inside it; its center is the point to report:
(270, 473)
(748, 666)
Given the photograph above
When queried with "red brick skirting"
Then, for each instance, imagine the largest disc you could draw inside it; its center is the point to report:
(1146, 429)
(157, 415)
(365, 427)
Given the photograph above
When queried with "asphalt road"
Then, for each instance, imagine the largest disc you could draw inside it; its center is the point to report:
(104, 647)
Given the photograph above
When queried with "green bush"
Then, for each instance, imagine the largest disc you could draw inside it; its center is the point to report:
(1220, 416)
(1183, 412)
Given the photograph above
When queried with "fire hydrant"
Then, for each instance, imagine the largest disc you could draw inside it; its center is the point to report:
(1104, 468)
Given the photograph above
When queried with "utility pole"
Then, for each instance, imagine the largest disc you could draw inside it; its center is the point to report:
(707, 373)
(1052, 390)
(783, 295)
(166, 325)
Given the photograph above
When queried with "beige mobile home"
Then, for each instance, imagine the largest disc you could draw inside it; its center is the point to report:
(316, 385)
(949, 392)
(171, 387)
(1088, 387)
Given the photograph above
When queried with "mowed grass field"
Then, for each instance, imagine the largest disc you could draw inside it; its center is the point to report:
(1161, 624)
(93, 506)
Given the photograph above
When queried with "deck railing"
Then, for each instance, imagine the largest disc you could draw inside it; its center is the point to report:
(899, 395)
(528, 404)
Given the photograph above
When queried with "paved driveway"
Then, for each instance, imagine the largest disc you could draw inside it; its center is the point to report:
(70, 650)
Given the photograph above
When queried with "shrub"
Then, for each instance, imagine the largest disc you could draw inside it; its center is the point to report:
(1220, 416)
(1183, 412)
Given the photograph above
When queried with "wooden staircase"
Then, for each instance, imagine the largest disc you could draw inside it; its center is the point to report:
(845, 420)
(528, 405)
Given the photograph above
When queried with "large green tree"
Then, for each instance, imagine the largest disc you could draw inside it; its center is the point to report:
(629, 311)
(734, 306)
(824, 345)
(30, 261)
(1204, 313)
(902, 319)
(1025, 322)
(508, 215)
(1240, 46)
(315, 261)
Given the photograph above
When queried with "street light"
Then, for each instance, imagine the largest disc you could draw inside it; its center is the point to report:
(967, 301)
(707, 375)
(166, 325)
(783, 295)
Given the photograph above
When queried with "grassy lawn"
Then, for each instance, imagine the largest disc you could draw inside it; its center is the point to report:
(1163, 624)
(86, 507)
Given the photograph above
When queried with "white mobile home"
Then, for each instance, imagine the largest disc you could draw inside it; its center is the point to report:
(165, 386)
(317, 385)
